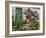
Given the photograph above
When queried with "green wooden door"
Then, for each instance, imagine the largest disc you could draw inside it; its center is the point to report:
(19, 14)
(18, 18)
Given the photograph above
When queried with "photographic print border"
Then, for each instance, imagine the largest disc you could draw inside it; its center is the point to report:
(7, 19)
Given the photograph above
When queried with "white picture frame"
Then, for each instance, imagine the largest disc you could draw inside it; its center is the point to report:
(10, 4)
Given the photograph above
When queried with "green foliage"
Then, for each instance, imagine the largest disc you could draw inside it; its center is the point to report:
(35, 20)
(18, 24)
